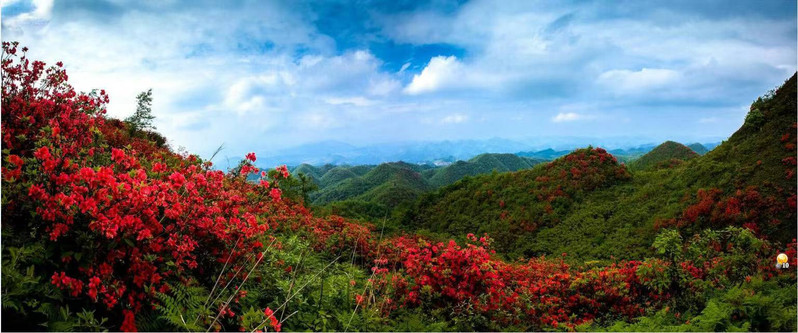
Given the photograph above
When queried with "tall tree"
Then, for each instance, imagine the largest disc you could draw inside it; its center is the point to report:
(142, 118)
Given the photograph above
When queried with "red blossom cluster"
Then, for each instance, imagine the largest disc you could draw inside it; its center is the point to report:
(273, 321)
(538, 293)
(747, 207)
(147, 214)
(581, 170)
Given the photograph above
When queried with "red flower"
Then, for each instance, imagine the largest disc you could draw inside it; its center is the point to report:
(158, 167)
(273, 321)
(275, 193)
(117, 155)
(16, 160)
(43, 154)
(129, 323)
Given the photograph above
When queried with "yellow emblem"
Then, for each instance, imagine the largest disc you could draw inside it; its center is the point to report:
(781, 261)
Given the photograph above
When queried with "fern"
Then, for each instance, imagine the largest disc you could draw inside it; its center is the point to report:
(63, 320)
(182, 305)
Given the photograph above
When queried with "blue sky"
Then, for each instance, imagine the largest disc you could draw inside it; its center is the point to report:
(265, 75)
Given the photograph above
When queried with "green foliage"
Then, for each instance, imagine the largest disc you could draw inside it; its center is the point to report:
(21, 285)
(297, 186)
(30, 302)
(184, 307)
(61, 319)
(357, 209)
(758, 305)
(755, 119)
(311, 291)
(669, 244)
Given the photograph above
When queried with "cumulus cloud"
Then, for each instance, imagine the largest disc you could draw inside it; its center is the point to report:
(440, 73)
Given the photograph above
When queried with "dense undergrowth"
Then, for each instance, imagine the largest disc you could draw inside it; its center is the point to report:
(104, 228)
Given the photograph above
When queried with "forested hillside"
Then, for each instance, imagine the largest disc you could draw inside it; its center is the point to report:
(698, 148)
(664, 155)
(485, 163)
(511, 206)
(372, 192)
(752, 171)
(104, 227)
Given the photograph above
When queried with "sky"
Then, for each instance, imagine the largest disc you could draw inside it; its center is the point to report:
(266, 75)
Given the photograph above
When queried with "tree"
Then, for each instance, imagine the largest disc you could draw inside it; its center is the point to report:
(755, 118)
(306, 185)
(142, 119)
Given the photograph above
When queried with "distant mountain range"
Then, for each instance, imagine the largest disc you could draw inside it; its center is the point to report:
(445, 152)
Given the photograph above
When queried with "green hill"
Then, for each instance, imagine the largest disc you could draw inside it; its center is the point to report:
(667, 153)
(336, 175)
(698, 148)
(372, 192)
(396, 182)
(376, 185)
(510, 206)
(484, 163)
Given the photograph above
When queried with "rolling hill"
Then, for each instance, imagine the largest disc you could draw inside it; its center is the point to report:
(480, 164)
(698, 148)
(747, 181)
(399, 178)
(510, 205)
(345, 182)
(669, 152)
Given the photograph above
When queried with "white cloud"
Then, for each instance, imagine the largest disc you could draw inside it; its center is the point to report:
(36, 18)
(626, 81)
(248, 94)
(383, 86)
(570, 116)
(456, 118)
(440, 72)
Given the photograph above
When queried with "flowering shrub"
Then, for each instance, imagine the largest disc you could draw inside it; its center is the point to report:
(123, 226)
(124, 215)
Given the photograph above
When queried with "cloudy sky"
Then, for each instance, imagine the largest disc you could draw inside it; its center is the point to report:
(263, 75)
